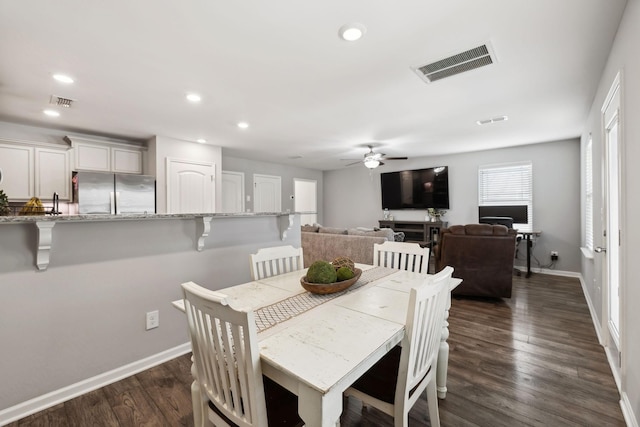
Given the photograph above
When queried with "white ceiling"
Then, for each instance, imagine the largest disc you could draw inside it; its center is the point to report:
(281, 66)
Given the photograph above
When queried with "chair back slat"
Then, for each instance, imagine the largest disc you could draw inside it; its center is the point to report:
(427, 305)
(401, 256)
(269, 262)
(226, 355)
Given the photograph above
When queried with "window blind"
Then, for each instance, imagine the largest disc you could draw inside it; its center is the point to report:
(507, 185)
(588, 196)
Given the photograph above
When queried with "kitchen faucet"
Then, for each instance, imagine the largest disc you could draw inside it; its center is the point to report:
(54, 208)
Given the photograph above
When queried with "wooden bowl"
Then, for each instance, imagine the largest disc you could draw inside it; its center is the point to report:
(329, 288)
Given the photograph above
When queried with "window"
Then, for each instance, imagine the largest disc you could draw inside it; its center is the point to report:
(509, 184)
(588, 196)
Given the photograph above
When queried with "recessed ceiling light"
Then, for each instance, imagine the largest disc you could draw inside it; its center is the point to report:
(352, 32)
(63, 78)
(243, 125)
(201, 140)
(51, 113)
(194, 97)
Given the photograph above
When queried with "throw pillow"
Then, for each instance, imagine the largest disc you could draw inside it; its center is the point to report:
(398, 236)
(385, 232)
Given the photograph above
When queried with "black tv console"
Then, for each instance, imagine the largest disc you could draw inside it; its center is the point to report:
(423, 232)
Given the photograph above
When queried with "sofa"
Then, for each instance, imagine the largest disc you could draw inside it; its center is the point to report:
(328, 243)
(481, 255)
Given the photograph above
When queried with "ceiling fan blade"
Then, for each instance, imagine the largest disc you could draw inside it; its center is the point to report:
(395, 158)
(353, 163)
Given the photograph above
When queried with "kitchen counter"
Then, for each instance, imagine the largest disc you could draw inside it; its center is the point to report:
(46, 223)
(123, 217)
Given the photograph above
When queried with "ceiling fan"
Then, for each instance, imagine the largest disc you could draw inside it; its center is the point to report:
(372, 160)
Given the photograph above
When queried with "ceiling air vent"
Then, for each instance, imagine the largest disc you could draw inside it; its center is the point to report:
(455, 64)
(60, 101)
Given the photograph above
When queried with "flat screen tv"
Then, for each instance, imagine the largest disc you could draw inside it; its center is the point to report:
(416, 189)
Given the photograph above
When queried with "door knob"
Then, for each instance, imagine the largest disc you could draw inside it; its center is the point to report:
(600, 249)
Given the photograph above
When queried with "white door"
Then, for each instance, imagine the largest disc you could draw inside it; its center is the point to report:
(232, 192)
(267, 193)
(190, 186)
(305, 197)
(611, 222)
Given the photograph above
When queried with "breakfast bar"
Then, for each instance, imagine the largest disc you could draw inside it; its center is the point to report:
(77, 290)
(45, 225)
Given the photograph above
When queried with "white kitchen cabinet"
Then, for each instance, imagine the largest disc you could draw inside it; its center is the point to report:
(104, 156)
(17, 171)
(92, 157)
(52, 173)
(124, 160)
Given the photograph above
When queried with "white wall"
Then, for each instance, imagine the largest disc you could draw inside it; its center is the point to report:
(287, 173)
(37, 134)
(624, 57)
(352, 195)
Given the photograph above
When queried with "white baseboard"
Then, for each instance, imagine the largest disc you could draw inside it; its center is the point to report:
(55, 397)
(627, 411)
(549, 271)
(592, 311)
(625, 405)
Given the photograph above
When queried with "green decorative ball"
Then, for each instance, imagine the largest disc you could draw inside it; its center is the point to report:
(344, 273)
(321, 272)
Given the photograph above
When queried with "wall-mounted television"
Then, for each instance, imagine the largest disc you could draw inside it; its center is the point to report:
(416, 189)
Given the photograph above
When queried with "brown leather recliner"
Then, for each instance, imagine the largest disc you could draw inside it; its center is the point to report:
(481, 255)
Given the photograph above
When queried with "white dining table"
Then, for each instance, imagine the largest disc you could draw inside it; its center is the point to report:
(318, 353)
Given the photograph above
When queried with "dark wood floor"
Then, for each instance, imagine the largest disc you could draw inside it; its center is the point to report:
(532, 360)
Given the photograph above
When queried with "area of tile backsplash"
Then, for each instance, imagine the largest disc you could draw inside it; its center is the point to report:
(63, 207)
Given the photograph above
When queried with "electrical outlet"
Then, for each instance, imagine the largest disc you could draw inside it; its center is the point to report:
(153, 319)
(554, 255)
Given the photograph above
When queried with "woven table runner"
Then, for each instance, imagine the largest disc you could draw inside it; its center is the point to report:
(273, 314)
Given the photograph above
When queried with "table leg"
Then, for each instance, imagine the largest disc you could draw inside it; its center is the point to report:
(443, 354)
(528, 240)
(318, 410)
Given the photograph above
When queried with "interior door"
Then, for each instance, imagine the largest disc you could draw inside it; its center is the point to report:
(190, 186)
(267, 193)
(305, 197)
(232, 192)
(611, 222)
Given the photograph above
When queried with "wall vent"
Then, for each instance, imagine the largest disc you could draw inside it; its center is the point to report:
(492, 120)
(60, 101)
(455, 64)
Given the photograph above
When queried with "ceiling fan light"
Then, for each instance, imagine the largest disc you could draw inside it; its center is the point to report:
(371, 163)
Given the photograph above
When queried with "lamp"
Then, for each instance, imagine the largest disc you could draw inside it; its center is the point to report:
(371, 162)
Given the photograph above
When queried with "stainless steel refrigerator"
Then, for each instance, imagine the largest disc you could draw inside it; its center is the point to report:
(108, 193)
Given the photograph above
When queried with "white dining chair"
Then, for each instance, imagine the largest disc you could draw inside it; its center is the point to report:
(401, 256)
(269, 262)
(396, 382)
(229, 387)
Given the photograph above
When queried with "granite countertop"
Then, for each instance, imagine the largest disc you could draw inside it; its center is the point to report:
(123, 217)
